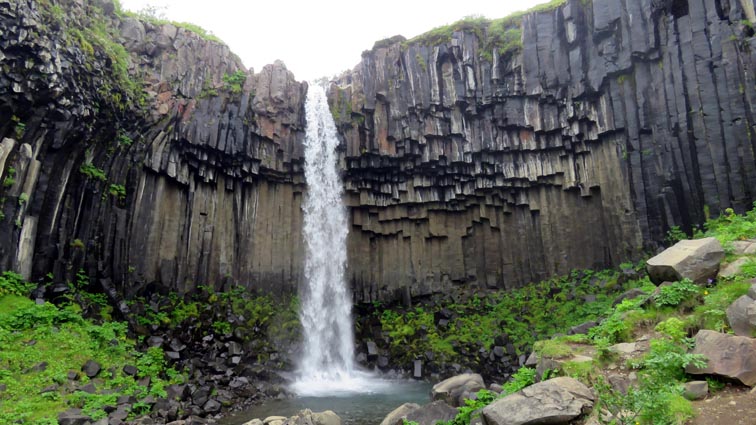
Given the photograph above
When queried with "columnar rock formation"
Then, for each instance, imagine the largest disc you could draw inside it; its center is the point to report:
(614, 121)
(607, 123)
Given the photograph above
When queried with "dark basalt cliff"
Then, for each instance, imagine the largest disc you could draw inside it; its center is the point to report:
(609, 122)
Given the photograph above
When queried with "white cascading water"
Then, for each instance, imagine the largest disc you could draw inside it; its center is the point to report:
(327, 366)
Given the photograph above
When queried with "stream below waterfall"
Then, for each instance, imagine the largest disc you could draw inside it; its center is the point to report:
(366, 408)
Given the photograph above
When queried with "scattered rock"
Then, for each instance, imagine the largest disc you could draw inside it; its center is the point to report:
(417, 369)
(73, 417)
(743, 247)
(555, 401)
(629, 295)
(733, 268)
(397, 416)
(252, 422)
(624, 348)
(697, 260)
(39, 367)
(91, 368)
(696, 390)
(438, 411)
(455, 389)
(130, 370)
(741, 315)
(729, 356)
(582, 329)
(211, 406)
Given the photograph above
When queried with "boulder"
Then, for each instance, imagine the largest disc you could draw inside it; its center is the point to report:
(741, 315)
(438, 411)
(697, 260)
(455, 389)
(73, 417)
(696, 390)
(729, 356)
(733, 268)
(254, 422)
(743, 247)
(91, 368)
(308, 417)
(397, 416)
(555, 401)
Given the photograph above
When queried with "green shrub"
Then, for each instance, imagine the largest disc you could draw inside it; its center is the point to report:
(675, 294)
(234, 82)
(14, 284)
(93, 172)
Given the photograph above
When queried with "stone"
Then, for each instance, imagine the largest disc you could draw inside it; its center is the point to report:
(582, 329)
(273, 419)
(696, 390)
(73, 417)
(624, 348)
(155, 341)
(743, 247)
(452, 389)
(697, 260)
(417, 369)
(130, 370)
(398, 415)
(741, 315)
(629, 295)
(557, 400)
(372, 350)
(729, 356)
(91, 368)
(429, 414)
(254, 422)
(211, 406)
(733, 268)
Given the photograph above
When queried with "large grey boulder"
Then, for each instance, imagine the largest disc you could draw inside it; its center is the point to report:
(555, 401)
(741, 315)
(697, 260)
(729, 356)
(398, 415)
(455, 389)
(438, 411)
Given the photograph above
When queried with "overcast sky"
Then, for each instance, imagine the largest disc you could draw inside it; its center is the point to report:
(319, 38)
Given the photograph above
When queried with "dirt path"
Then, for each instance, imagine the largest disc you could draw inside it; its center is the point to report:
(731, 406)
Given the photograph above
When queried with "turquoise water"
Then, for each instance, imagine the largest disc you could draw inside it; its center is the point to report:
(354, 409)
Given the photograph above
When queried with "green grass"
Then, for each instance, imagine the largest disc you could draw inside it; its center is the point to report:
(59, 336)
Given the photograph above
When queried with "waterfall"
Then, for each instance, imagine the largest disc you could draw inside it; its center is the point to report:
(328, 360)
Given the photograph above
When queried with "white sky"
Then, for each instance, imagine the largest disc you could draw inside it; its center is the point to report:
(319, 38)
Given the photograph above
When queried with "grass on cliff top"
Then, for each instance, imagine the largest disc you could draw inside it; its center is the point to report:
(154, 16)
(40, 344)
(504, 34)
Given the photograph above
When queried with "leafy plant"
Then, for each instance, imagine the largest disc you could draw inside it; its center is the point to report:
(117, 190)
(234, 82)
(676, 293)
(92, 172)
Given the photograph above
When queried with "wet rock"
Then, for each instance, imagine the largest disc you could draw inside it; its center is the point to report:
(730, 356)
(429, 414)
(455, 389)
(417, 372)
(398, 415)
(372, 350)
(697, 260)
(211, 406)
(557, 400)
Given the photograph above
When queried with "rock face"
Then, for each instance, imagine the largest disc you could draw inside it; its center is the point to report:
(463, 164)
(555, 401)
(697, 260)
(732, 357)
